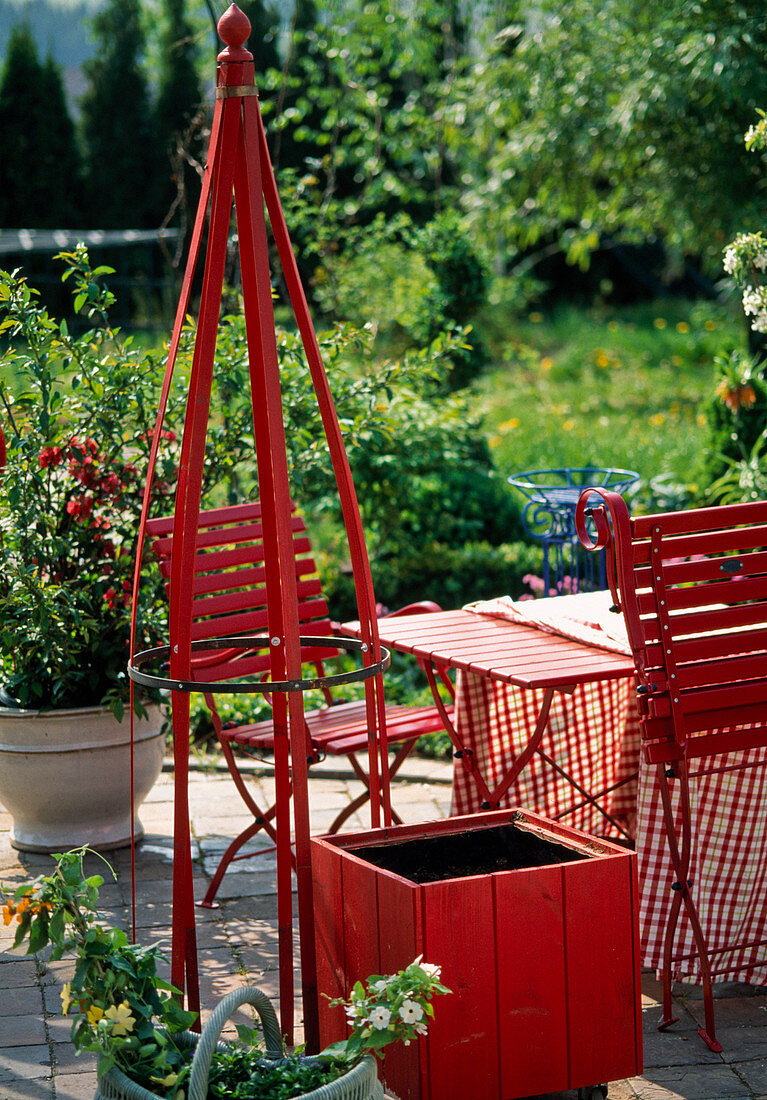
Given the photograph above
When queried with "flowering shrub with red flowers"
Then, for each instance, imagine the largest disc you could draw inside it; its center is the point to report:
(77, 415)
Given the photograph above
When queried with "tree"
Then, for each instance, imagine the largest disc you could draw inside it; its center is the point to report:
(40, 165)
(178, 101)
(178, 92)
(262, 42)
(617, 119)
(123, 164)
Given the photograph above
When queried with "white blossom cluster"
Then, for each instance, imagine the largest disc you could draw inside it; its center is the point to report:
(756, 136)
(755, 306)
(746, 254)
(746, 257)
(392, 1007)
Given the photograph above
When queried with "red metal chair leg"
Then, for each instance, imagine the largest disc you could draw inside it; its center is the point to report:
(351, 807)
(680, 859)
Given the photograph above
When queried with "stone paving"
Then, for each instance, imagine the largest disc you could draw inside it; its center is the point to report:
(237, 945)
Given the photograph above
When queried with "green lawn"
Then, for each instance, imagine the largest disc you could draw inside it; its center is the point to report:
(606, 387)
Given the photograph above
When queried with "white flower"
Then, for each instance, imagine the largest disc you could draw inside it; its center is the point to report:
(731, 260)
(420, 1028)
(755, 305)
(379, 1017)
(432, 970)
(410, 1012)
(379, 986)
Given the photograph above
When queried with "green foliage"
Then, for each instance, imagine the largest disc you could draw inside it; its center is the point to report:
(235, 1073)
(736, 413)
(178, 94)
(123, 163)
(617, 119)
(449, 575)
(123, 1011)
(409, 284)
(76, 429)
(362, 105)
(40, 167)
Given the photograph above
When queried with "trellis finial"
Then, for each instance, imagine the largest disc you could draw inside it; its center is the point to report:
(234, 28)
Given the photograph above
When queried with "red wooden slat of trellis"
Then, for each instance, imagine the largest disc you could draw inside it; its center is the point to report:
(274, 495)
(376, 717)
(187, 507)
(238, 163)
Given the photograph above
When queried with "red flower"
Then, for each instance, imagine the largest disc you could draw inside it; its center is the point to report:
(50, 456)
(110, 598)
(80, 507)
(111, 484)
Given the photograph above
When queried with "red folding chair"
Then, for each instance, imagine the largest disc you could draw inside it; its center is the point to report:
(693, 589)
(230, 600)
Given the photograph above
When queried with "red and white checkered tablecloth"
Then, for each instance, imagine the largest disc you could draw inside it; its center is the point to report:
(593, 735)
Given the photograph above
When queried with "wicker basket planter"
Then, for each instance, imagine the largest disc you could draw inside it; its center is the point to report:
(542, 959)
(360, 1083)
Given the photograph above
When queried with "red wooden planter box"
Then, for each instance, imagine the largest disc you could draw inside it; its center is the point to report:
(543, 961)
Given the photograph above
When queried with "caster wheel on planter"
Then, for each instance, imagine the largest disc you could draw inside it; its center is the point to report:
(593, 1092)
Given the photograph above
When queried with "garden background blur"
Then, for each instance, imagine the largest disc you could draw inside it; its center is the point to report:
(510, 219)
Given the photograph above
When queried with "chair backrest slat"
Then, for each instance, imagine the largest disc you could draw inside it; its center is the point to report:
(229, 590)
(693, 588)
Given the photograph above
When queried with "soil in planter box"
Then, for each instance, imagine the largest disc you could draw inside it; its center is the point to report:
(459, 855)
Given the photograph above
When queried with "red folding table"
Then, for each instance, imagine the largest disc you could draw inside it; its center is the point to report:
(490, 652)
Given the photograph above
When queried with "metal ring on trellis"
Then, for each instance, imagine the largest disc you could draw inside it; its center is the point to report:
(253, 642)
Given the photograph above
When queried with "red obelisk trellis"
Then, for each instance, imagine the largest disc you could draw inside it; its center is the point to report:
(239, 168)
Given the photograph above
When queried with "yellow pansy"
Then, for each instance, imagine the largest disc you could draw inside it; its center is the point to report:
(121, 1019)
(95, 1013)
(66, 997)
(166, 1082)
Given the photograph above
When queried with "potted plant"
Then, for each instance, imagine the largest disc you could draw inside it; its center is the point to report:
(131, 1019)
(75, 434)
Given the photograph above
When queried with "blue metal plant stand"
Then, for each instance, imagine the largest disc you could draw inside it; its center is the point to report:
(549, 515)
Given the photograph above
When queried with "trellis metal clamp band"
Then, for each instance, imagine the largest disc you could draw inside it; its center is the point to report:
(229, 91)
(247, 642)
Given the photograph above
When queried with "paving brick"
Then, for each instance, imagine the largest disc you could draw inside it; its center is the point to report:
(23, 1000)
(754, 1073)
(709, 1082)
(24, 1062)
(66, 1060)
(30, 1089)
(17, 972)
(23, 1030)
(75, 1086)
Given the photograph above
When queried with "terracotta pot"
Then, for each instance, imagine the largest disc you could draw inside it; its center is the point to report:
(65, 775)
